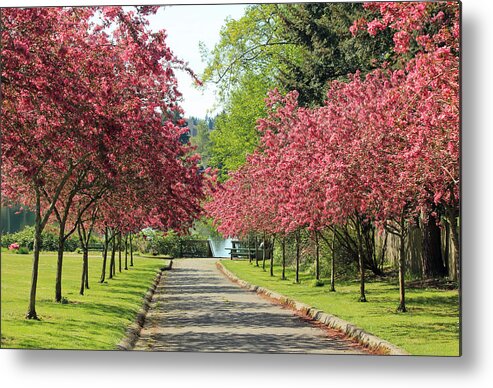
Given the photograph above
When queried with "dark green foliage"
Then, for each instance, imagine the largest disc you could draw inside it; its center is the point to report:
(168, 244)
(154, 242)
(23, 251)
(321, 32)
(50, 241)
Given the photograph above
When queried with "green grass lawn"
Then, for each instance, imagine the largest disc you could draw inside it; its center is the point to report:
(430, 327)
(97, 320)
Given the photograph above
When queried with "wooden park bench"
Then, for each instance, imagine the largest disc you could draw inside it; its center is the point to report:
(241, 252)
(95, 247)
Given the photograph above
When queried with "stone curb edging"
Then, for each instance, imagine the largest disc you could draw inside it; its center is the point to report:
(368, 340)
(133, 331)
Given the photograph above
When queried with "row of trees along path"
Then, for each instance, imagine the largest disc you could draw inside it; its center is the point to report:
(382, 150)
(91, 128)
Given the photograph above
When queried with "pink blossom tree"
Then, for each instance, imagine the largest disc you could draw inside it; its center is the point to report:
(105, 104)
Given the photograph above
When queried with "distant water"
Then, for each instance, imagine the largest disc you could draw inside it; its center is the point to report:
(219, 245)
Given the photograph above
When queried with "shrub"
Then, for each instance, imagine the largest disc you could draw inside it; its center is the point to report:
(23, 251)
(49, 239)
(72, 244)
(7, 240)
(24, 237)
(318, 283)
(170, 244)
(156, 242)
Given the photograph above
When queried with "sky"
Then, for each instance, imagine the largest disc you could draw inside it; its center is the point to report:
(186, 26)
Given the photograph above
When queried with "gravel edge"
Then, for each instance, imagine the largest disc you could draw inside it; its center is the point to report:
(132, 333)
(366, 339)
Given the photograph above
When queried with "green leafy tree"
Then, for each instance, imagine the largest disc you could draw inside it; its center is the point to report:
(250, 45)
(235, 135)
(244, 66)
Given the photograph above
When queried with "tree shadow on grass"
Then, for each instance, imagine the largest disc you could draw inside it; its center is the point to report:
(88, 309)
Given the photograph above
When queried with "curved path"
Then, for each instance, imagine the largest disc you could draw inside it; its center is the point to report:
(196, 308)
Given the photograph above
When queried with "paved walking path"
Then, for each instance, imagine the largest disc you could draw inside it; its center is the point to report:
(196, 308)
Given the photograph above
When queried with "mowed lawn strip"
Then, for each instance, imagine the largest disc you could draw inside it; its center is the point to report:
(97, 320)
(430, 327)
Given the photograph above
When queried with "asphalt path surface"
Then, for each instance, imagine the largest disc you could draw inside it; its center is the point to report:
(197, 309)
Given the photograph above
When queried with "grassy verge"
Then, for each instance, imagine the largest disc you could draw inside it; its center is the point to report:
(96, 320)
(430, 327)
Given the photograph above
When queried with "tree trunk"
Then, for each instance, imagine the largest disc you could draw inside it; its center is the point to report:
(264, 243)
(402, 271)
(447, 248)
(454, 234)
(40, 223)
(362, 297)
(256, 251)
(317, 257)
(110, 276)
(83, 277)
(131, 252)
(126, 252)
(248, 245)
(333, 267)
(105, 256)
(433, 265)
(271, 257)
(84, 280)
(283, 277)
(31, 312)
(87, 270)
(119, 252)
(383, 251)
(297, 275)
(112, 260)
(368, 247)
(59, 266)
(84, 242)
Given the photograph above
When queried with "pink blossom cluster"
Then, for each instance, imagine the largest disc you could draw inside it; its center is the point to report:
(90, 118)
(384, 147)
(408, 21)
